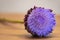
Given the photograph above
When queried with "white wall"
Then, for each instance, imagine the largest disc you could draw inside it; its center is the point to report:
(24, 5)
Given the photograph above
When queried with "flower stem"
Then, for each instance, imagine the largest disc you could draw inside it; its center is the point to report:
(11, 21)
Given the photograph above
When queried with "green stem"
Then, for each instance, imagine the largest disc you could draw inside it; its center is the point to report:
(12, 21)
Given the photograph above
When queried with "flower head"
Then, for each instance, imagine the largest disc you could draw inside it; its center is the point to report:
(39, 21)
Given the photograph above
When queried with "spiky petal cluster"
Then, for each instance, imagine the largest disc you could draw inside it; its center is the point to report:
(39, 21)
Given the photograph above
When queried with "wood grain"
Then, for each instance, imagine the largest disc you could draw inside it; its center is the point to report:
(16, 31)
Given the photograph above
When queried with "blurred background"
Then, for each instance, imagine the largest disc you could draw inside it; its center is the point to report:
(15, 10)
(21, 6)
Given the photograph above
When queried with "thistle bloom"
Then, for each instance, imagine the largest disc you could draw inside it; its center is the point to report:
(39, 21)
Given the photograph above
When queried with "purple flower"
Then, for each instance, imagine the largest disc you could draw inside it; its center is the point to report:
(39, 21)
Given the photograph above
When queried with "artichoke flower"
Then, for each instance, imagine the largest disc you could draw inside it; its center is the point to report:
(39, 21)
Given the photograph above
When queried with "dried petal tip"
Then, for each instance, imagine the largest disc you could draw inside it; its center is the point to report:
(50, 10)
(35, 7)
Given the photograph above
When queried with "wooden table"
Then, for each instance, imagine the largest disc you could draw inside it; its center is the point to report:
(16, 31)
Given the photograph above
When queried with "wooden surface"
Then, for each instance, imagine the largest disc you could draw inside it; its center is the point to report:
(16, 31)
